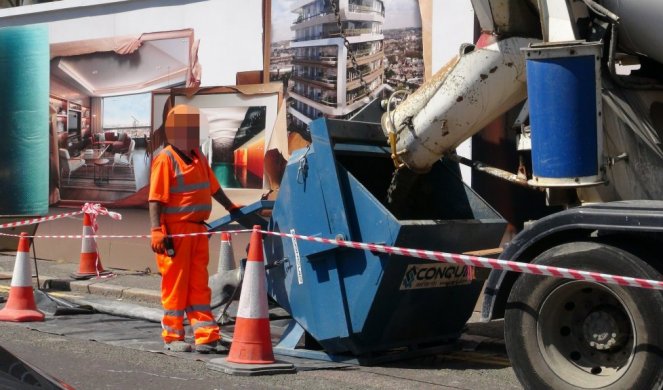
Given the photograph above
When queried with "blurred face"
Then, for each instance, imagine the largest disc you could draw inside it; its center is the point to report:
(183, 128)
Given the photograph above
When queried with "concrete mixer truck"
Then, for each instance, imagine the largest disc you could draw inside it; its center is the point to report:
(594, 139)
(585, 78)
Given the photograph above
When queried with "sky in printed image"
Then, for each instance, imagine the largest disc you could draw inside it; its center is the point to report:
(398, 14)
(121, 110)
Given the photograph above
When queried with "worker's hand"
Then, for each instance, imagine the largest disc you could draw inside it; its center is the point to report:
(158, 238)
(234, 208)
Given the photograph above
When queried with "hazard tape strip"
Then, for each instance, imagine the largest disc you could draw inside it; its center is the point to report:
(93, 209)
(95, 236)
(483, 262)
(469, 260)
(38, 220)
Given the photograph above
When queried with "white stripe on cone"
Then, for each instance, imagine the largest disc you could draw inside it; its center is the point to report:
(252, 301)
(22, 276)
(88, 244)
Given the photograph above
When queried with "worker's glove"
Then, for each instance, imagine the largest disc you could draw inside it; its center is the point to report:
(158, 240)
(234, 208)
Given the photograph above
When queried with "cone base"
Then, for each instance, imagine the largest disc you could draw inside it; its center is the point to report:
(252, 342)
(89, 275)
(21, 315)
(223, 365)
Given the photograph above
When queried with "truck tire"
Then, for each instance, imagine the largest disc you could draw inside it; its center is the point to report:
(568, 334)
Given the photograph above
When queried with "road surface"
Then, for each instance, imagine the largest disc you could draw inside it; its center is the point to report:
(94, 365)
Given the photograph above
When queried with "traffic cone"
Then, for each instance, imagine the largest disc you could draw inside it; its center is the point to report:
(251, 350)
(226, 280)
(21, 305)
(90, 263)
(226, 256)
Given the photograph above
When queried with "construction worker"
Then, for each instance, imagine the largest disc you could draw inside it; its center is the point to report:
(182, 186)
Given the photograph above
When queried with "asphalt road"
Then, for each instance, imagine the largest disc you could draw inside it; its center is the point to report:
(94, 365)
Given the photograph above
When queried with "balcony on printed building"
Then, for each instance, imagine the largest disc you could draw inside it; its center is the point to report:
(328, 99)
(305, 17)
(367, 76)
(365, 56)
(353, 32)
(324, 81)
(366, 6)
(331, 30)
(317, 60)
(355, 95)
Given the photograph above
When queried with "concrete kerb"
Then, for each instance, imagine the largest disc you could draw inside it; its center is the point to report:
(96, 287)
(115, 291)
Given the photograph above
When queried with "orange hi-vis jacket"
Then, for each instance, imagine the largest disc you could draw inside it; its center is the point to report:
(185, 191)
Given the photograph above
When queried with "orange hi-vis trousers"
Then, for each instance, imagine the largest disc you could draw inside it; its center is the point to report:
(184, 286)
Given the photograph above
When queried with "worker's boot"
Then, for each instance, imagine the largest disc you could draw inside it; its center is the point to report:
(178, 346)
(213, 347)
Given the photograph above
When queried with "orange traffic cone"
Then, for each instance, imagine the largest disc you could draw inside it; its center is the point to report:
(251, 350)
(90, 264)
(226, 257)
(227, 279)
(252, 343)
(21, 305)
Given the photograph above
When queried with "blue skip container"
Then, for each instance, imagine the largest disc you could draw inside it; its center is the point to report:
(563, 81)
(347, 302)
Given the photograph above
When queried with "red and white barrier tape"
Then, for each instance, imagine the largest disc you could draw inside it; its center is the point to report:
(483, 262)
(469, 260)
(81, 236)
(94, 209)
(38, 220)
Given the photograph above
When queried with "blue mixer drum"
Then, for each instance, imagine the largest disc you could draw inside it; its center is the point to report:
(563, 87)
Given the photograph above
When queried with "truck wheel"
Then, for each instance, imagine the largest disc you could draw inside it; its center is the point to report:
(567, 334)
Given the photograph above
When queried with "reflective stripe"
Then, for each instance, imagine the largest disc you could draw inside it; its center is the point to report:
(198, 308)
(22, 276)
(253, 290)
(176, 167)
(202, 324)
(179, 332)
(179, 177)
(173, 313)
(185, 209)
(189, 187)
(88, 244)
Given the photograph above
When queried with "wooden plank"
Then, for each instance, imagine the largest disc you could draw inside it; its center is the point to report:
(494, 252)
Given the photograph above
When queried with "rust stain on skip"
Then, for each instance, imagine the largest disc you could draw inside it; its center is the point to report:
(483, 76)
(459, 99)
(493, 70)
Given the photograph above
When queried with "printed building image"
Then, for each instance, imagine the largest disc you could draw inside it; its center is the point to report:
(337, 58)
